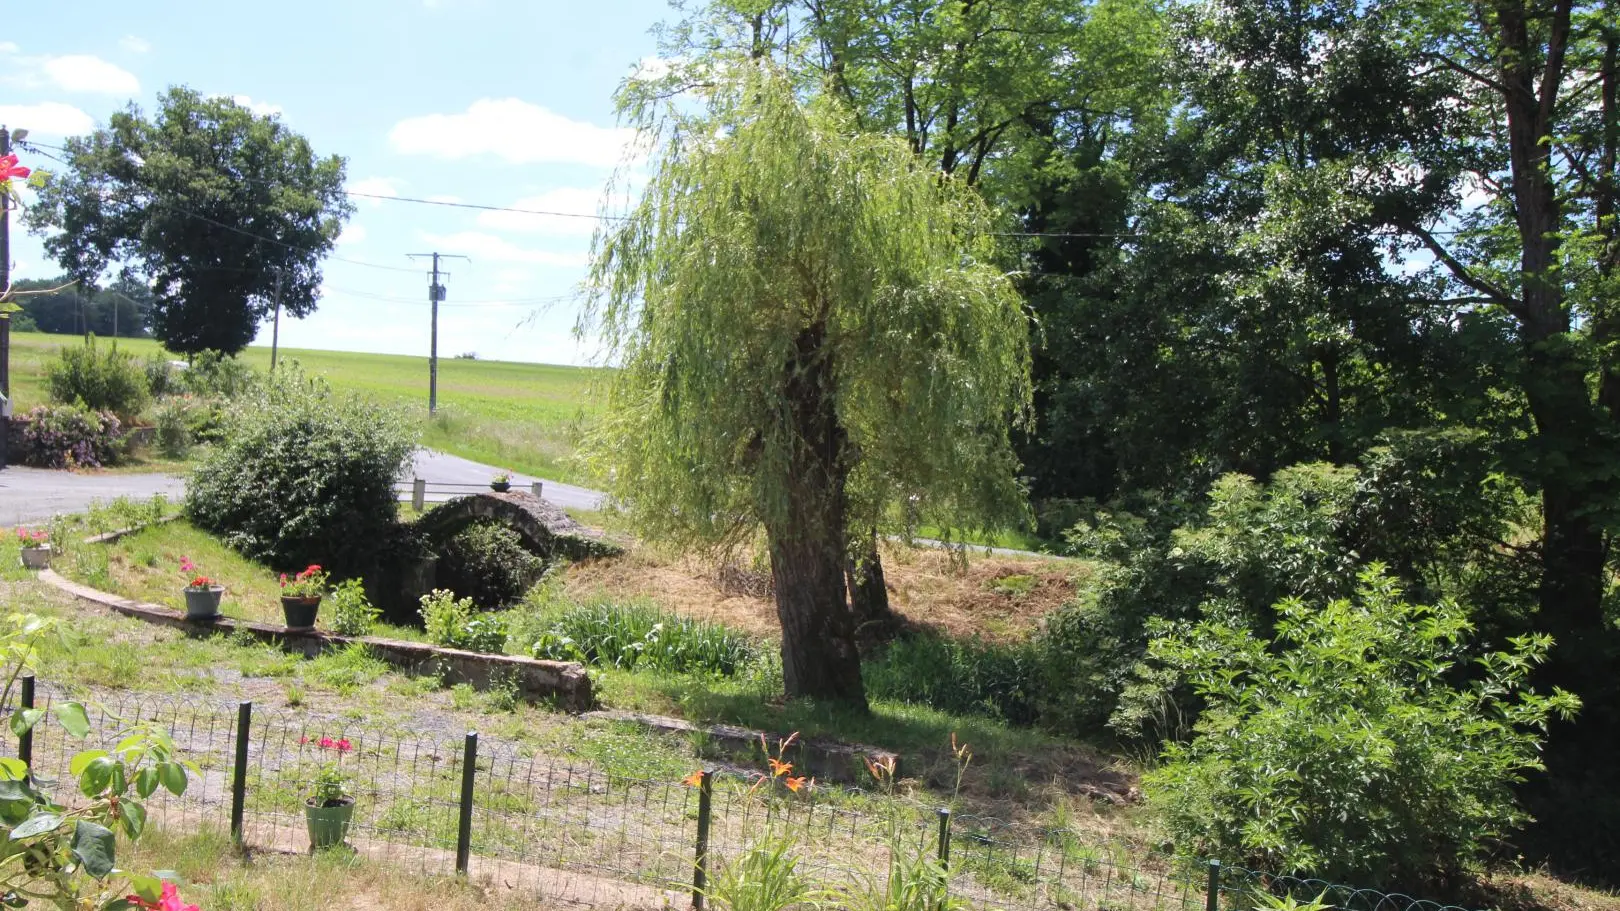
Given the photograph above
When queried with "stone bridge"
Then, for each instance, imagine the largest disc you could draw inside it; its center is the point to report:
(543, 526)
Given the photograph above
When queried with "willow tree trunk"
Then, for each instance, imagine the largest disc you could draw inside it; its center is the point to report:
(875, 621)
(807, 542)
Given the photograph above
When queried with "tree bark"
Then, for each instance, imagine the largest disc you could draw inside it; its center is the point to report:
(875, 620)
(807, 541)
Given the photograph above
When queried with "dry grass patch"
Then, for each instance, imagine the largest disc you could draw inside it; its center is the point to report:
(993, 596)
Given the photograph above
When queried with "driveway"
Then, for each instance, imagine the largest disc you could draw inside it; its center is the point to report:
(35, 494)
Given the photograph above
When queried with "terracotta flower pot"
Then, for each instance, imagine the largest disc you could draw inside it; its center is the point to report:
(300, 611)
(203, 603)
(328, 824)
(37, 557)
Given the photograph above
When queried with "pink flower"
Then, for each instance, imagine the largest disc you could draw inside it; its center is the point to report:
(169, 902)
(9, 168)
(303, 740)
(343, 746)
(327, 743)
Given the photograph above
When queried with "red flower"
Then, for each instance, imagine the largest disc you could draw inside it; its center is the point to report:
(343, 746)
(327, 743)
(9, 168)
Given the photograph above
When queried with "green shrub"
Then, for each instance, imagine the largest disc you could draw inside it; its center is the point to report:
(348, 610)
(458, 623)
(633, 634)
(958, 676)
(303, 476)
(98, 379)
(70, 436)
(487, 562)
(212, 374)
(160, 375)
(1345, 747)
(173, 428)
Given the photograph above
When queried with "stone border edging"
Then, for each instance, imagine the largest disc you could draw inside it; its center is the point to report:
(565, 682)
(109, 537)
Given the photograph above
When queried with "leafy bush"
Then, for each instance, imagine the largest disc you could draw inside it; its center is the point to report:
(958, 676)
(171, 421)
(630, 635)
(303, 476)
(348, 610)
(70, 436)
(100, 380)
(458, 623)
(160, 375)
(1345, 748)
(211, 373)
(487, 562)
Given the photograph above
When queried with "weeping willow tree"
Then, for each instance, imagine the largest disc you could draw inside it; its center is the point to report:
(811, 342)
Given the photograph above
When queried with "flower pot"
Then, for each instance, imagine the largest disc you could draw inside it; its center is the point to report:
(500, 486)
(37, 557)
(300, 611)
(203, 603)
(328, 824)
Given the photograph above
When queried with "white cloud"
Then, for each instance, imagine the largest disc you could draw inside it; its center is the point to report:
(488, 248)
(654, 67)
(567, 201)
(261, 108)
(9, 47)
(374, 186)
(47, 118)
(135, 44)
(84, 73)
(352, 234)
(512, 129)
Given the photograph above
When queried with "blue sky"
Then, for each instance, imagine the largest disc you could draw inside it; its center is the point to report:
(499, 102)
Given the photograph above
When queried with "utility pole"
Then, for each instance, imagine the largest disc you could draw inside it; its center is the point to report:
(275, 327)
(435, 295)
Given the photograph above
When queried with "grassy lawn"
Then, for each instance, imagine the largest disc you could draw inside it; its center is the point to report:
(520, 416)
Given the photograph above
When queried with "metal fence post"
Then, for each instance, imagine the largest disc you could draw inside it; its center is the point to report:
(944, 837)
(469, 769)
(534, 488)
(1212, 900)
(700, 862)
(244, 726)
(418, 493)
(25, 743)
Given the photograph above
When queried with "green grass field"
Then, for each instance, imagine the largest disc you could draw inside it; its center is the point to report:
(525, 417)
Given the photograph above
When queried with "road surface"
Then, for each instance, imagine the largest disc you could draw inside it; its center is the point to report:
(453, 476)
(30, 495)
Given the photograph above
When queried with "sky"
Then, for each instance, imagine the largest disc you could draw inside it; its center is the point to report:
(495, 102)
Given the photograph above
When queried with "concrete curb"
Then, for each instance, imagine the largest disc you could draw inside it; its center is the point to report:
(562, 682)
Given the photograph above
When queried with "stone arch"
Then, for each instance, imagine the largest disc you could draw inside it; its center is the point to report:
(543, 526)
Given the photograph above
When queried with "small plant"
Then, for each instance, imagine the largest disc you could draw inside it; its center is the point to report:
(310, 582)
(457, 623)
(351, 613)
(329, 787)
(172, 420)
(501, 477)
(98, 379)
(32, 537)
(196, 581)
(70, 436)
(765, 878)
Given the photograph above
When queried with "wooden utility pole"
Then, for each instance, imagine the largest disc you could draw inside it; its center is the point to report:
(275, 327)
(435, 295)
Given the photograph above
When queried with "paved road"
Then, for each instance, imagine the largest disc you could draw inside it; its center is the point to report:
(453, 476)
(35, 494)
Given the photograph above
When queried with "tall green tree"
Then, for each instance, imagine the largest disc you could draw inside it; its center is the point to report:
(810, 331)
(211, 203)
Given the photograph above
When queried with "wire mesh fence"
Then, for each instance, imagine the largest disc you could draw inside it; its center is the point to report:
(576, 833)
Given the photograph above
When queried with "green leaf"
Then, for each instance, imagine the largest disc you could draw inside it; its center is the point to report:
(23, 720)
(77, 765)
(174, 777)
(73, 718)
(34, 825)
(133, 818)
(96, 776)
(149, 888)
(13, 769)
(93, 846)
(118, 904)
(146, 782)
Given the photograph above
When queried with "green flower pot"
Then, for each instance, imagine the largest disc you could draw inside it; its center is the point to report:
(203, 603)
(300, 612)
(328, 825)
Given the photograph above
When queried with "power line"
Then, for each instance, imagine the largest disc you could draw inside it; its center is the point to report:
(484, 208)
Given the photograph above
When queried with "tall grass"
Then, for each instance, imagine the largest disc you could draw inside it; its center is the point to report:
(961, 676)
(627, 635)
